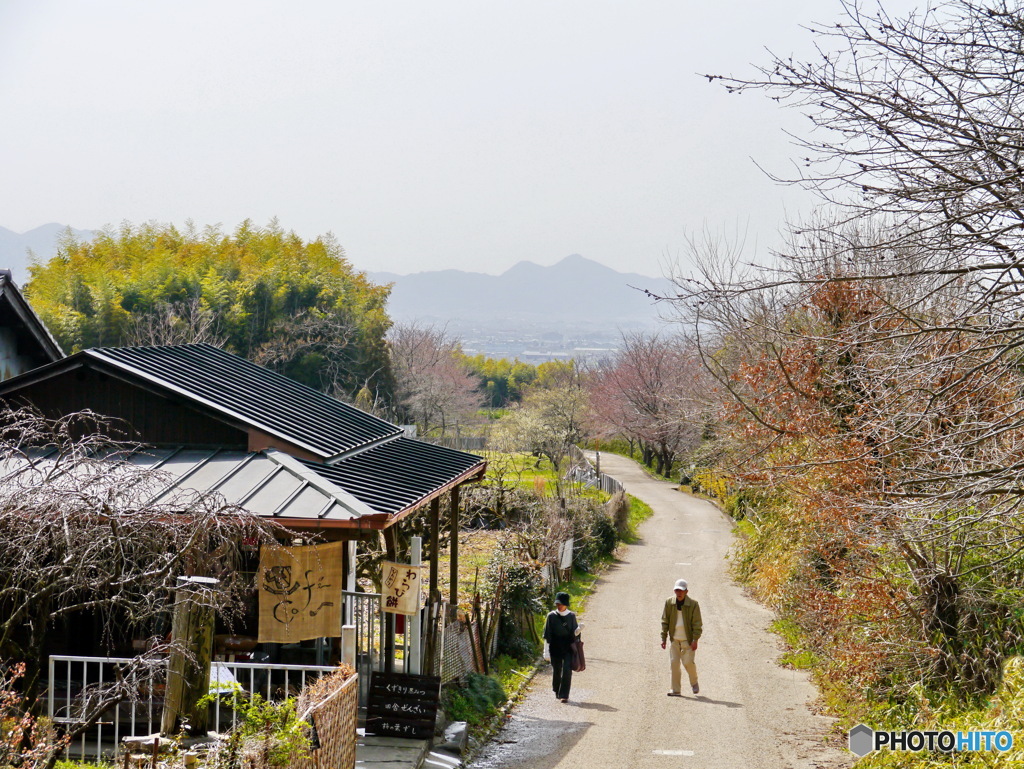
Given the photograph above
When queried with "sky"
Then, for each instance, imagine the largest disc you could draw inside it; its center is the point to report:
(467, 135)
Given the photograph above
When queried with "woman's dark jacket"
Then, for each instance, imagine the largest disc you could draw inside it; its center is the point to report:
(560, 632)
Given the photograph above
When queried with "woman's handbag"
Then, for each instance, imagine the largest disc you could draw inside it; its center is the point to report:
(579, 662)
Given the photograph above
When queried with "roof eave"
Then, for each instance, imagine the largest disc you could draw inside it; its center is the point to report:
(42, 373)
(474, 474)
(368, 523)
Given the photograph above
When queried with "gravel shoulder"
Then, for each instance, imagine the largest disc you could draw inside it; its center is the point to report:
(750, 713)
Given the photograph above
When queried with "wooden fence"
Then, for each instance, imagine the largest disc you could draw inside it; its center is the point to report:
(331, 705)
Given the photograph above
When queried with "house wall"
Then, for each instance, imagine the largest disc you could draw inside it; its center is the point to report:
(12, 360)
(157, 419)
(259, 441)
(24, 342)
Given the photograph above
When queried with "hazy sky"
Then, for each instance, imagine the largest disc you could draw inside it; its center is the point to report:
(424, 135)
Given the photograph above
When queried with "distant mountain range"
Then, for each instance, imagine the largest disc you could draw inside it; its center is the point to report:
(42, 241)
(573, 290)
(576, 300)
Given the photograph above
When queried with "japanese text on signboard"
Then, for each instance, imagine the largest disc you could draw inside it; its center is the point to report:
(400, 588)
(402, 705)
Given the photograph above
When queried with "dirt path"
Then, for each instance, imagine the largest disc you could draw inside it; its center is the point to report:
(750, 713)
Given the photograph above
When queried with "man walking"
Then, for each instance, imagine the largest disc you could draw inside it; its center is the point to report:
(681, 625)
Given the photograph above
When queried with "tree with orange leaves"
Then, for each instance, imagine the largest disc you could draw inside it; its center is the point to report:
(887, 413)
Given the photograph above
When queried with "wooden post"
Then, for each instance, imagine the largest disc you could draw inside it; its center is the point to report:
(435, 546)
(188, 668)
(414, 624)
(453, 588)
(434, 595)
(391, 551)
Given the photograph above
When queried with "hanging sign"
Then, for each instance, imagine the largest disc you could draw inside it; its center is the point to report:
(300, 593)
(400, 588)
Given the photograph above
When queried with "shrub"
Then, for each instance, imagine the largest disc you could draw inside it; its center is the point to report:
(709, 482)
(268, 734)
(604, 535)
(24, 739)
(520, 599)
(594, 534)
(475, 701)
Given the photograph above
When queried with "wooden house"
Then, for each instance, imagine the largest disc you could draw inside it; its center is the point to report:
(213, 421)
(25, 342)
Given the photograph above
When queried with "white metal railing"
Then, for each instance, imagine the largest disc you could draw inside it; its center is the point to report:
(70, 676)
(582, 471)
(273, 682)
(363, 611)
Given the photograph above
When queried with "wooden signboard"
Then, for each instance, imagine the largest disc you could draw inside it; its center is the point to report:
(402, 705)
(400, 588)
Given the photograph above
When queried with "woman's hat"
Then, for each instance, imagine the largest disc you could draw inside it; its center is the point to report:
(563, 599)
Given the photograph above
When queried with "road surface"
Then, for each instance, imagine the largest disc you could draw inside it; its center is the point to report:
(750, 713)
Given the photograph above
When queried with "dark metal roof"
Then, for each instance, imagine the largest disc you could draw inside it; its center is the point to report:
(253, 395)
(368, 467)
(400, 474)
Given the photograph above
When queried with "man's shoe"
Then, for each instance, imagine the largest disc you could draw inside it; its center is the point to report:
(696, 688)
(564, 699)
(674, 694)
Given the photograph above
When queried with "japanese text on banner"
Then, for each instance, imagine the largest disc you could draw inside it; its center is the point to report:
(300, 593)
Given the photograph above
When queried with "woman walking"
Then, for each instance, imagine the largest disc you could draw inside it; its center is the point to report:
(560, 630)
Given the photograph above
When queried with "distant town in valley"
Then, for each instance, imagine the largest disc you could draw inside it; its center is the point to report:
(535, 344)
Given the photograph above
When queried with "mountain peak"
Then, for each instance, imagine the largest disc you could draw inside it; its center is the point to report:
(524, 270)
(572, 264)
(574, 289)
(577, 263)
(573, 260)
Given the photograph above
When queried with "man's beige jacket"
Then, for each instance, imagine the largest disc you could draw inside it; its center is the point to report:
(691, 619)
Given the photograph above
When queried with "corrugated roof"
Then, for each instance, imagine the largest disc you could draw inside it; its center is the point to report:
(269, 483)
(399, 474)
(253, 395)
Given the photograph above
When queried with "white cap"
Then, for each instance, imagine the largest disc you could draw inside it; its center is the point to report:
(680, 585)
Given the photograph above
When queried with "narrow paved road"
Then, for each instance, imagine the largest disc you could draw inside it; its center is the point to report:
(750, 713)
